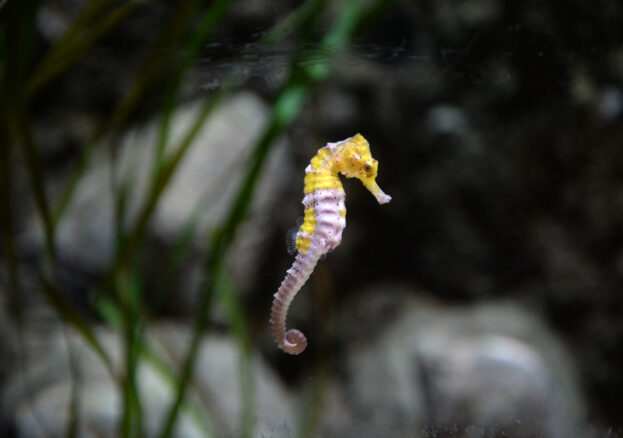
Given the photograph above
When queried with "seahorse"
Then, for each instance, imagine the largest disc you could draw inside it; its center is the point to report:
(323, 222)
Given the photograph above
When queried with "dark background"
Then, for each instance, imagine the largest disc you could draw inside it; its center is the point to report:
(497, 126)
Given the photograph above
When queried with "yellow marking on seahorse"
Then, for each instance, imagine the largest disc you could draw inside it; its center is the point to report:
(321, 179)
(302, 243)
(318, 161)
(342, 213)
(309, 221)
(307, 227)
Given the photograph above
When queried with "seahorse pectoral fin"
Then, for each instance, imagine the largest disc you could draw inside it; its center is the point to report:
(373, 187)
(291, 240)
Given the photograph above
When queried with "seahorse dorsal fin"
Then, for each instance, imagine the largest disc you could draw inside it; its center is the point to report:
(291, 236)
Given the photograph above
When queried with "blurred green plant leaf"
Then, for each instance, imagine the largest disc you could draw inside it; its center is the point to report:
(73, 318)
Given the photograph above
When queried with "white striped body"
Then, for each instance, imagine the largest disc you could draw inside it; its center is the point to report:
(330, 218)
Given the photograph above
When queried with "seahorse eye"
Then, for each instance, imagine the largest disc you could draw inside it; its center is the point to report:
(367, 167)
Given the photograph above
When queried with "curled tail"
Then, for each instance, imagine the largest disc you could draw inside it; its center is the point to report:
(292, 341)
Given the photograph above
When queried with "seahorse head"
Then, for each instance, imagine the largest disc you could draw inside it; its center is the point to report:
(355, 161)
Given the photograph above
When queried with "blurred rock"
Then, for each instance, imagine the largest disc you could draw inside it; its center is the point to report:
(455, 371)
(55, 362)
